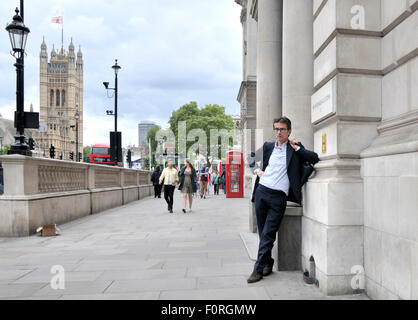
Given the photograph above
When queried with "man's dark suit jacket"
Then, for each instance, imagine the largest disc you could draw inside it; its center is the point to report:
(294, 160)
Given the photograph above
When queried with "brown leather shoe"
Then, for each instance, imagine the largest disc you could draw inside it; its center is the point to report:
(254, 277)
(267, 270)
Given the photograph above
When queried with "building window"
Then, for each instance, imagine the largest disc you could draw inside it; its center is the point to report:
(51, 98)
(58, 98)
(55, 127)
(63, 98)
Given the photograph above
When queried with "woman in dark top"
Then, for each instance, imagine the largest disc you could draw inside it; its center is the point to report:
(187, 177)
(155, 177)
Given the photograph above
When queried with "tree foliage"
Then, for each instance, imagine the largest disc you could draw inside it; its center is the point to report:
(211, 116)
(86, 153)
(5, 149)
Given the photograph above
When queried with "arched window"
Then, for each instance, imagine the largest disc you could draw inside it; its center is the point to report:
(58, 98)
(63, 98)
(51, 98)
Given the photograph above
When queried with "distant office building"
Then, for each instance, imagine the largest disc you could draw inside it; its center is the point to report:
(143, 128)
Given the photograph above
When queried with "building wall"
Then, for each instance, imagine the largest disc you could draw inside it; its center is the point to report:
(360, 208)
(361, 212)
(390, 163)
(143, 128)
(247, 95)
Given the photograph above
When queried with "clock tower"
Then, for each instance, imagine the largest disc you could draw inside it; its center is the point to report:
(61, 97)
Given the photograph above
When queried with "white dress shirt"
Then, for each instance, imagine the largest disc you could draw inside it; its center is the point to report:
(275, 176)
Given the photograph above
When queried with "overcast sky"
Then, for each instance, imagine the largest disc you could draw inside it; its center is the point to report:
(171, 52)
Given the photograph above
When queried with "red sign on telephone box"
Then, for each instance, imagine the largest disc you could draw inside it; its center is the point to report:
(234, 174)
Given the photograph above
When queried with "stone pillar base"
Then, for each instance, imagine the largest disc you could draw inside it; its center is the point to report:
(287, 247)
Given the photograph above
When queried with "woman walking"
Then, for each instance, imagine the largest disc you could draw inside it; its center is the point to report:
(155, 177)
(187, 186)
(215, 181)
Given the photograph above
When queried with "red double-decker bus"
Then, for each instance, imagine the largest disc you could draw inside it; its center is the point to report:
(100, 153)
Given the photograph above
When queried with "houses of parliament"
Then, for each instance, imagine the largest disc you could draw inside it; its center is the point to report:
(61, 102)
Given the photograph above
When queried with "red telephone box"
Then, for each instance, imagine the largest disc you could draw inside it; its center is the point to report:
(234, 174)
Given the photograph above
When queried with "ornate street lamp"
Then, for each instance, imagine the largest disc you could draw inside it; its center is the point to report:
(116, 147)
(18, 34)
(76, 117)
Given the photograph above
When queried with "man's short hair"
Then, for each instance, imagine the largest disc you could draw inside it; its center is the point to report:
(283, 120)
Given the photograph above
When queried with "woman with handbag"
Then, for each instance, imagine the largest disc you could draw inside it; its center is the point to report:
(187, 186)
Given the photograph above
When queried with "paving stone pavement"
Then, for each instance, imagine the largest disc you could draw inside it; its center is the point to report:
(141, 251)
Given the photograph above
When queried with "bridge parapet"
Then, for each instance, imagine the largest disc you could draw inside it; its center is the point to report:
(40, 191)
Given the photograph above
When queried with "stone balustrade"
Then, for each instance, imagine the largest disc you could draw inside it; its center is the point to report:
(41, 191)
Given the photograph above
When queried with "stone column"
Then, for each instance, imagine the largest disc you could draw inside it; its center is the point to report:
(298, 68)
(269, 67)
(345, 111)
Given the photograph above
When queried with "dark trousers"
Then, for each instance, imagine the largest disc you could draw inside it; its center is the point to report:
(157, 190)
(168, 195)
(216, 189)
(270, 206)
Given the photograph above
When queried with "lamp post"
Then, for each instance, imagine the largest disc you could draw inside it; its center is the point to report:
(116, 69)
(18, 34)
(76, 117)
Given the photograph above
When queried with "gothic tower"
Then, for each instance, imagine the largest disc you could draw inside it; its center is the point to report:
(61, 97)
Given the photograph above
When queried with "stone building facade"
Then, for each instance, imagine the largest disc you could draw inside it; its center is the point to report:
(346, 73)
(61, 96)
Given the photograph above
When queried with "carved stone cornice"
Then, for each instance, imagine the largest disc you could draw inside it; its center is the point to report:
(245, 85)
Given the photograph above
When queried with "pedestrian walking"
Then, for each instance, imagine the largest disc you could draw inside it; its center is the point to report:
(279, 179)
(216, 178)
(197, 183)
(223, 180)
(203, 174)
(208, 184)
(187, 177)
(169, 177)
(155, 179)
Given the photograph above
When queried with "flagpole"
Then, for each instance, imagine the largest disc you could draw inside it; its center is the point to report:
(62, 32)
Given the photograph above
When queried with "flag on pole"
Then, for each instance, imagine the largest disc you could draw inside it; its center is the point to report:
(58, 20)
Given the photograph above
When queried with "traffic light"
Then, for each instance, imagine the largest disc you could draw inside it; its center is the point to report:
(80, 157)
(129, 157)
(72, 155)
(31, 144)
(52, 152)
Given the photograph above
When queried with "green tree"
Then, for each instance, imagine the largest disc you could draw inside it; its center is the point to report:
(154, 144)
(146, 164)
(212, 116)
(5, 149)
(86, 153)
